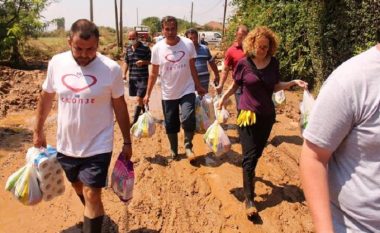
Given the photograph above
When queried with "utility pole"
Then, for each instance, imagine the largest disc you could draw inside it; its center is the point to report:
(91, 11)
(224, 19)
(121, 24)
(117, 24)
(191, 16)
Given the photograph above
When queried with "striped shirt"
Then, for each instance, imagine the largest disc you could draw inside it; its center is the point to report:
(203, 57)
(142, 52)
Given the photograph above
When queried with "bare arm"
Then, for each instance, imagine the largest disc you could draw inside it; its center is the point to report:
(286, 85)
(226, 70)
(122, 117)
(43, 108)
(194, 74)
(231, 90)
(214, 69)
(124, 70)
(313, 171)
(151, 81)
(140, 63)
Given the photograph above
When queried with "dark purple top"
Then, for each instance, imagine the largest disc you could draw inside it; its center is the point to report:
(257, 85)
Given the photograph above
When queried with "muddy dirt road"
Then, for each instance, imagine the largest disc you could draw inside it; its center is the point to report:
(169, 196)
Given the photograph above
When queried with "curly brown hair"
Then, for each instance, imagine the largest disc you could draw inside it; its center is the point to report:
(250, 40)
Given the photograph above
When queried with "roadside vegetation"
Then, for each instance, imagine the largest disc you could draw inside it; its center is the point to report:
(316, 36)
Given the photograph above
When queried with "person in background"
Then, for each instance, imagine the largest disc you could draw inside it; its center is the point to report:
(174, 57)
(340, 160)
(231, 58)
(258, 75)
(136, 61)
(202, 40)
(203, 57)
(90, 89)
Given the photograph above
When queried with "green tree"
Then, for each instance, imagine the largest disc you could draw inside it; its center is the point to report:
(19, 20)
(60, 23)
(183, 25)
(316, 36)
(154, 23)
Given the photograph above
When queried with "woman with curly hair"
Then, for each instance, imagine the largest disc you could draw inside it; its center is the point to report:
(258, 74)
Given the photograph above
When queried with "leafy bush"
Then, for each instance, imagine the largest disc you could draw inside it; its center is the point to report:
(316, 36)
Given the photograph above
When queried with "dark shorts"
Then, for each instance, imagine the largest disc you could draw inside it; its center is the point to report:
(91, 171)
(137, 86)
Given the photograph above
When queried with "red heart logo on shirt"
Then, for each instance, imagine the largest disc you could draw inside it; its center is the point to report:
(175, 57)
(78, 83)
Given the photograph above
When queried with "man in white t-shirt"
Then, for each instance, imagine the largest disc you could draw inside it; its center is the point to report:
(340, 160)
(174, 57)
(90, 89)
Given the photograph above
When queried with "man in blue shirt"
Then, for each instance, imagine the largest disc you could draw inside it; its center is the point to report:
(203, 57)
(137, 60)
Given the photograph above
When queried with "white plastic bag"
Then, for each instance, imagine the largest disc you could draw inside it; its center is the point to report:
(155, 106)
(305, 108)
(220, 115)
(202, 121)
(208, 106)
(26, 188)
(12, 179)
(216, 139)
(41, 168)
(144, 126)
(278, 98)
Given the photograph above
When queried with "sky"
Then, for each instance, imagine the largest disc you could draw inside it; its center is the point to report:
(134, 11)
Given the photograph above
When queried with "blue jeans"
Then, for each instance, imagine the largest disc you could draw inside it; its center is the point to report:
(171, 114)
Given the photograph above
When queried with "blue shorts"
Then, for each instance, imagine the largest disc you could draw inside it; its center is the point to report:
(138, 86)
(91, 171)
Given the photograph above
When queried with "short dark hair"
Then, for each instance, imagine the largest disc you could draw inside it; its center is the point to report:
(191, 31)
(378, 35)
(167, 19)
(85, 29)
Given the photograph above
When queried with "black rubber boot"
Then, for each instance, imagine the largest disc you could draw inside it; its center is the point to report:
(249, 193)
(173, 140)
(93, 225)
(138, 110)
(188, 141)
